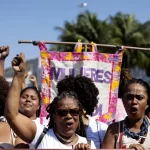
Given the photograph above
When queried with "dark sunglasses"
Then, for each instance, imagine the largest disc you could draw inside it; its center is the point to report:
(64, 112)
(132, 96)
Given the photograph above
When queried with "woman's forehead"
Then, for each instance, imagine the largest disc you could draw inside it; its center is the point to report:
(30, 91)
(65, 102)
(136, 87)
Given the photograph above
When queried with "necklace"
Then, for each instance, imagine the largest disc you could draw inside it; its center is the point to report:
(144, 129)
(64, 141)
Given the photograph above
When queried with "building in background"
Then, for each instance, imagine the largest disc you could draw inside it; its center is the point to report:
(33, 68)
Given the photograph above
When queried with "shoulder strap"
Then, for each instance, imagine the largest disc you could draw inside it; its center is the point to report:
(45, 130)
(13, 137)
(120, 134)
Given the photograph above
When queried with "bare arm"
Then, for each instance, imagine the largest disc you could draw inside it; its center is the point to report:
(2, 67)
(24, 83)
(34, 81)
(21, 125)
(109, 139)
(4, 52)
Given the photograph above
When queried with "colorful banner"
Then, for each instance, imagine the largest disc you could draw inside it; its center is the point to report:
(103, 69)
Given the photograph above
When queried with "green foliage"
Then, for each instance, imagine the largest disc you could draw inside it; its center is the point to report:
(120, 29)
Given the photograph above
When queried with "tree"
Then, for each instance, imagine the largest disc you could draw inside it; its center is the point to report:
(88, 28)
(120, 29)
(126, 30)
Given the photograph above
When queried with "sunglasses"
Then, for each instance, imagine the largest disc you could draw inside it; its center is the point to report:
(132, 96)
(64, 112)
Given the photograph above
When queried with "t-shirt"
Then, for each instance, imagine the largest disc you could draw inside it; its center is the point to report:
(50, 140)
(37, 120)
(96, 131)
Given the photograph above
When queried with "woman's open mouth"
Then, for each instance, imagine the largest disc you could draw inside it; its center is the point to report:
(134, 110)
(69, 125)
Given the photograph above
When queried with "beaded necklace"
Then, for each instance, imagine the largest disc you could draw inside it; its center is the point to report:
(142, 133)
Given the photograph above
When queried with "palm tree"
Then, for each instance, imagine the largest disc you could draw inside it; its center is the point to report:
(126, 30)
(87, 28)
(120, 29)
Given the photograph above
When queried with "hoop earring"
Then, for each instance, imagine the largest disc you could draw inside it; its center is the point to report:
(84, 111)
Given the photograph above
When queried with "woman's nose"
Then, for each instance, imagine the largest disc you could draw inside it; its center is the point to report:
(28, 99)
(68, 116)
(134, 101)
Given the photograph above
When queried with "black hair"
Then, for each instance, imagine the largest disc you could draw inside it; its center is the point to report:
(84, 87)
(125, 76)
(4, 88)
(38, 94)
(51, 109)
(141, 82)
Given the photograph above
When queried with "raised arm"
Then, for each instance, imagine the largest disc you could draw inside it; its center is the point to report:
(21, 125)
(4, 52)
(24, 81)
(34, 81)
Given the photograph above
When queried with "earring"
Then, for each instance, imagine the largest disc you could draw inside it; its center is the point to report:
(146, 107)
(84, 111)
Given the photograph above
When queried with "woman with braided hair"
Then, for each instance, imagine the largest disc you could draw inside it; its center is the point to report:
(87, 93)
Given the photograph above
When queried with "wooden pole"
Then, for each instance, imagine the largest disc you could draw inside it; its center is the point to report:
(73, 43)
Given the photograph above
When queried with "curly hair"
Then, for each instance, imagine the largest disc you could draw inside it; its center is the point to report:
(4, 88)
(38, 94)
(51, 109)
(85, 89)
(125, 76)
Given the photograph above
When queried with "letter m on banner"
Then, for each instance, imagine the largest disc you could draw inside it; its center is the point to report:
(103, 69)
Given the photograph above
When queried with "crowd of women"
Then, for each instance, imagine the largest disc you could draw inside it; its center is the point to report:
(70, 124)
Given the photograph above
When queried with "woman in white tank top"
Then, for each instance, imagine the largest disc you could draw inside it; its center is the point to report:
(134, 131)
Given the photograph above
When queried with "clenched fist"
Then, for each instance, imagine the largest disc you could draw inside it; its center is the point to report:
(19, 64)
(4, 52)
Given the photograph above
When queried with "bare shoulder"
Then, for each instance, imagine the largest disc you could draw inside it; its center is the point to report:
(4, 125)
(114, 127)
(111, 136)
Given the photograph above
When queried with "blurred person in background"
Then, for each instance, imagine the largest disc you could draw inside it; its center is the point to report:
(32, 79)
